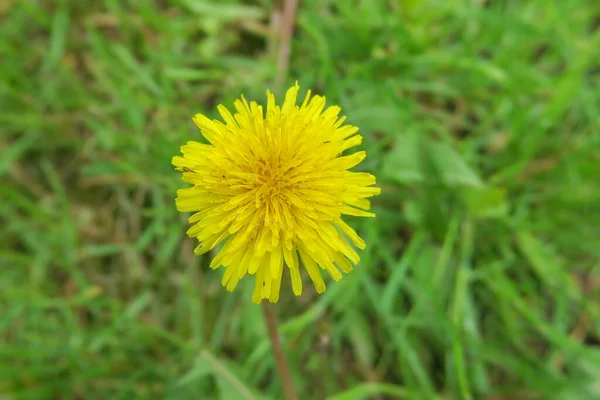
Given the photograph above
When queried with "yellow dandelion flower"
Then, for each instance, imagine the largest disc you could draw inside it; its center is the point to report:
(274, 186)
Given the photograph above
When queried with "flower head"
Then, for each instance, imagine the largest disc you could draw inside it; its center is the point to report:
(274, 187)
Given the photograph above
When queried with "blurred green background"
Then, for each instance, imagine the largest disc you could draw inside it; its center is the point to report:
(481, 279)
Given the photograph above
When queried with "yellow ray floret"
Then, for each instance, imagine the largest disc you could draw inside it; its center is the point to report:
(273, 186)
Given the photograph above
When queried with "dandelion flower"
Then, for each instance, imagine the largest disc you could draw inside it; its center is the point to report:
(273, 186)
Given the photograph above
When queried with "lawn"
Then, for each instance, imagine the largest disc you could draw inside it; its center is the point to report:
(481, 276)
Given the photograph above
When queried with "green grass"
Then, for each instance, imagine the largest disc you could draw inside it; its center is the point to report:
(481, 279)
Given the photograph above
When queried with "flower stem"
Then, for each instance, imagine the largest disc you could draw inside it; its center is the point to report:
(284, 20)
(280, 360)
